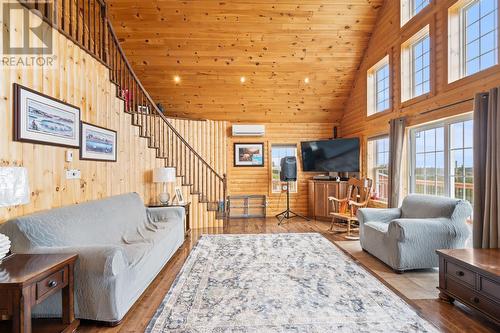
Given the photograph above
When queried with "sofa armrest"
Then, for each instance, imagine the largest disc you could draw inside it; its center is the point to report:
(163, 214)
(378, 215)
(429, 230)
(99, 259)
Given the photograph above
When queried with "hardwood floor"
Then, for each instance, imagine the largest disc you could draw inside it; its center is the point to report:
(416, 287)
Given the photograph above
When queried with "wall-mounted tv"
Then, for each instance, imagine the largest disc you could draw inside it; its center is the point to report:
(338, 155)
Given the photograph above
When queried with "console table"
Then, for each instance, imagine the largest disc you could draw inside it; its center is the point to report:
(319, 207)
(29, 279)
(471, 276)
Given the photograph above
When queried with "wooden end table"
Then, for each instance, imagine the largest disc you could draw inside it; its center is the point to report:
(186, 207)
(29, 279)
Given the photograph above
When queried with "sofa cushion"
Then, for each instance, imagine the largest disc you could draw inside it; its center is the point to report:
(108, 219)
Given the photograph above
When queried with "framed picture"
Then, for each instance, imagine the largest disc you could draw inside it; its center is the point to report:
(248, 154)
(179, 195)
(98, 143)
(39, 118)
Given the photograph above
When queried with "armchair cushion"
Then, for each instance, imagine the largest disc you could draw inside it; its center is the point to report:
(422, 229)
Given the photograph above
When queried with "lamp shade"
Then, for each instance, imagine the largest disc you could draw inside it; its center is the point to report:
(14, 188)
(164, 175)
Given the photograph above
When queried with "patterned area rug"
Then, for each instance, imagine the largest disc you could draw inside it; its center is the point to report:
(279, 283)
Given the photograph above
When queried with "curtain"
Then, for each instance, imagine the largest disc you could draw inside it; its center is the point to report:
(485, 230)
(396, 141)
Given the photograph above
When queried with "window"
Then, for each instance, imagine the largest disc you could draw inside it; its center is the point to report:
(378, 87)
(473, 37)
(410, 8)
(378, 162)
(277, 153)
(415, 65)
(442, 160)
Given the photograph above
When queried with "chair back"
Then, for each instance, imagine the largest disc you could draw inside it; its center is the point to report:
(358, 191)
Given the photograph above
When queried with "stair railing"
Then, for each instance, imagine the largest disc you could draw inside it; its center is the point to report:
(85, 22)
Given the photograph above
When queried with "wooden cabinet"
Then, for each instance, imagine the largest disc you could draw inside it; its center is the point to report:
(319, 191)
(471, 276)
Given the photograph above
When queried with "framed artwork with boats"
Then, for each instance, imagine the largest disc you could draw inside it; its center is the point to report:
(42, 119)
(98, 143)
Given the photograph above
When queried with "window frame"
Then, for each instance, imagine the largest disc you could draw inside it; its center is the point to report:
(408, 65)
(456, 59)
(372, 85)
(376, 167)
(446, 124)
(407, 9)
(293, 189)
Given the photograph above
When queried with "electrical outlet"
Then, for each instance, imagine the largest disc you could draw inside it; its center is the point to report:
(69, 156)
(73, 174)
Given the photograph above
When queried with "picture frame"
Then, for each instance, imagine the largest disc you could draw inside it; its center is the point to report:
(98, 143)
(42, 119)
(249, 154)
(179, 195)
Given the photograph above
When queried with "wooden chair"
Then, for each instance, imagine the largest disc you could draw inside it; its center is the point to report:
(358, 196)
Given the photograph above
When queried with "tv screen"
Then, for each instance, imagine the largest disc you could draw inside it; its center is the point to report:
(339, 155)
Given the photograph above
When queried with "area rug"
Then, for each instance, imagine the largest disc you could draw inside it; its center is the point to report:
(279, 283)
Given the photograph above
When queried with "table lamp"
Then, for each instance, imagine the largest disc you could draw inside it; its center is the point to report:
(164, 175)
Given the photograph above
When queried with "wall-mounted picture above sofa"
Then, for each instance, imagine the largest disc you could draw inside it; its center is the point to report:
(42, 119)
(98, 143)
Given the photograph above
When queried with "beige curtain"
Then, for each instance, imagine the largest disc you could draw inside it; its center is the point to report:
(396, 141)
(486, 231)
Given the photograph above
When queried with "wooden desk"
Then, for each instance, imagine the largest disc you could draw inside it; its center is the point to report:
(471, 276)
(186, 206)
(29, 279)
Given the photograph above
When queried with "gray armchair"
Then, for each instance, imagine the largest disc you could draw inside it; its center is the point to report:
(406, 238)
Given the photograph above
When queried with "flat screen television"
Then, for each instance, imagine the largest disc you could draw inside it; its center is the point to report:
(338, 155)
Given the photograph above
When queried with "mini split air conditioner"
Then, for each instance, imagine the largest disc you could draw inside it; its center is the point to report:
(249, 130)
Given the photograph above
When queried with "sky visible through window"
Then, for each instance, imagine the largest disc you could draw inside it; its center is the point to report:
(382, 88)
(421, 67)
(418, 5)
(480, 21)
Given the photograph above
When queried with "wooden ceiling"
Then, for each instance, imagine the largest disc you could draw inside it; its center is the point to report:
(274, 44)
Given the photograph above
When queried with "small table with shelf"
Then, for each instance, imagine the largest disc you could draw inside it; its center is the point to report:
(29, 279)
(186, 207)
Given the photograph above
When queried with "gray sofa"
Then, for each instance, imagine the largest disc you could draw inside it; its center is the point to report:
(406, 238)
(122, 246)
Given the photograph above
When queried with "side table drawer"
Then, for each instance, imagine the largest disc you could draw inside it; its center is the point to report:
(52, 282)
(489, 288)
(460, 273)
(474, 299)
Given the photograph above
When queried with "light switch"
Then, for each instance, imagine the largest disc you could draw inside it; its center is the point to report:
(69, 156)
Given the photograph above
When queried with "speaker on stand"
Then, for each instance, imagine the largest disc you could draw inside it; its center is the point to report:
(288, 174)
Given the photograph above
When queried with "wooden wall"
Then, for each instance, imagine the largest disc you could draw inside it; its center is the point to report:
(82, 81)
(257, 180)
(386, 39)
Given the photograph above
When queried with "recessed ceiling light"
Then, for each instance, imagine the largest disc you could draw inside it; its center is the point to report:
(177, 79)
(306, 80)
(243, 79)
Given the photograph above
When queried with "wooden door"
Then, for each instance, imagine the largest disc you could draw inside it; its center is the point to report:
(320, 205)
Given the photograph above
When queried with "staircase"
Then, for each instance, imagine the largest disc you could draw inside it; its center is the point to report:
(85, 22)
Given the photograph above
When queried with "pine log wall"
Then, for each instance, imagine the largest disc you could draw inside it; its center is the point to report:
(81, 80)
(257, 180)
(387, 39)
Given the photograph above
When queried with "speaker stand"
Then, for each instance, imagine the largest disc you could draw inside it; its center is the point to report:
(288, 213)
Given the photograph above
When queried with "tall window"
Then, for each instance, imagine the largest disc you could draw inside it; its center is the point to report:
(415, 65)
(441, 159)
(410, 8)
(378, 163)
(378, 87)
(473, 37)
(279, 151)
(418, 5)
